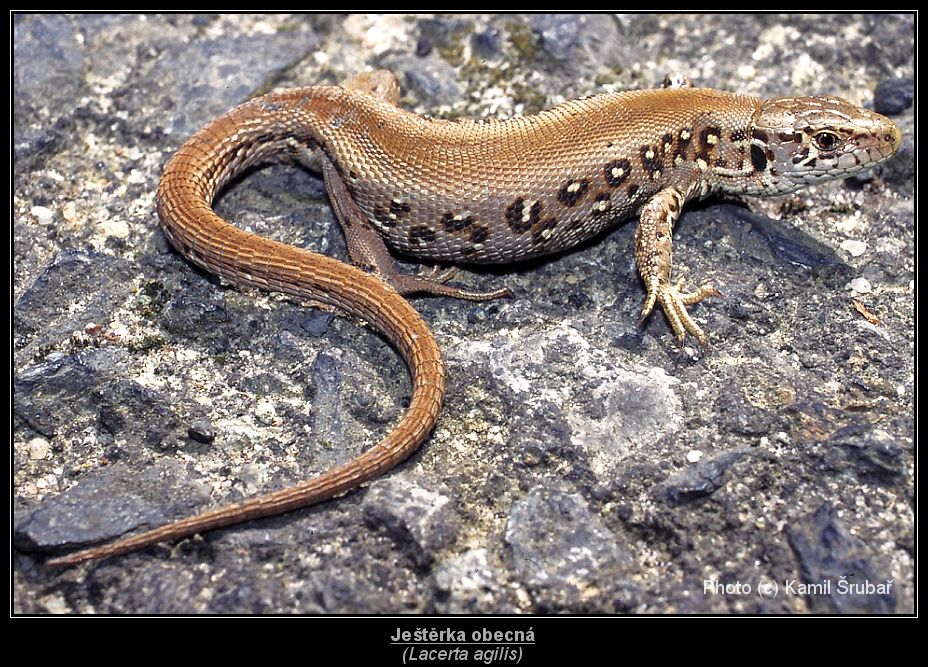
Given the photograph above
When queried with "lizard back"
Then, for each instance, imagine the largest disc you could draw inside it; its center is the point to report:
(505, 190)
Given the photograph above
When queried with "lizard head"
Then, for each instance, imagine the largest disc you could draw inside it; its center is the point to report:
(799, 141)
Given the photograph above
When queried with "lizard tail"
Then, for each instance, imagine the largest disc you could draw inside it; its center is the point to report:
(185, 195)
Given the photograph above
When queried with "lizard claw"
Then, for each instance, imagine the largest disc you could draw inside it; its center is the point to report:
(674, 302)
(436, 274)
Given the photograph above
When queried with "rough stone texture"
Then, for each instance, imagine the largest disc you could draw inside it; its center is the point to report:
(828, 555)
(415, 518)
(563, 554)
(627, 472)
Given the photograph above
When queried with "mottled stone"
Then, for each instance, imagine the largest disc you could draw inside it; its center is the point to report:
(828, 554)
(699, 480)
(420, 521)
(559, 549)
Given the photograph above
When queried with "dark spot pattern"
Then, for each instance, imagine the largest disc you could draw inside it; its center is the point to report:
(572, 191)
(399, 208)
(517, 220)
(602, 205)
(617, 172)
(651, 160)
(421, 235)
(539, 238)
(684, 139)
(382, 216)
(479, 234)
(705, 144)
(738, 136)
(801, 155)
(456, 223)
(632, 191)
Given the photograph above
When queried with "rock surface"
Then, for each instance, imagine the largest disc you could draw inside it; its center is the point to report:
(580, 464)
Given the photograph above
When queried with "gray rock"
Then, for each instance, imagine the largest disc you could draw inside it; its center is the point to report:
(49, 73)
(106, 505)
(433, 80)
(874, 455)
(214, 74)
(45, 312)
(487, 43)
(699, 480)
(420, 521)
(560, 550)
(827, 554)
(591, 41)
(893, 96)
(469, 584)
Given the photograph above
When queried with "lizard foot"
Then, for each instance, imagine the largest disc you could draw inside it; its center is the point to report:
(436, 274)
(433, 282)
(674, 302)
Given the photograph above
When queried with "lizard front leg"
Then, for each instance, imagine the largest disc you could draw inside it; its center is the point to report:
(654, 256)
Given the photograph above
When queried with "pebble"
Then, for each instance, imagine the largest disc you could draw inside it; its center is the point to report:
(861, 285)
(893, 96)
(38, 448)
(854, 248)
(42, 214)
(265, 412)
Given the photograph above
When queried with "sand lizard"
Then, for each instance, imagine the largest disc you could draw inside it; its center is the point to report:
(482, 192)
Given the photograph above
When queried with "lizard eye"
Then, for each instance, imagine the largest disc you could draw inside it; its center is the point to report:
(826, 140)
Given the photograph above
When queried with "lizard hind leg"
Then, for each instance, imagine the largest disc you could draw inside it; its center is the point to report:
(379, 83)
(366, 247)
(368, 251)
(653, 254)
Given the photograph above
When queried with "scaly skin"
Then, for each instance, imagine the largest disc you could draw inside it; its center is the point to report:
(482, 192)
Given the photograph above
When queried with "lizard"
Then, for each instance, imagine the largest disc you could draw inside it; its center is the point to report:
(472, 192)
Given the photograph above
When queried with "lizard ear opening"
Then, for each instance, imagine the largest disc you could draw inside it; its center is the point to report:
(758, 159)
